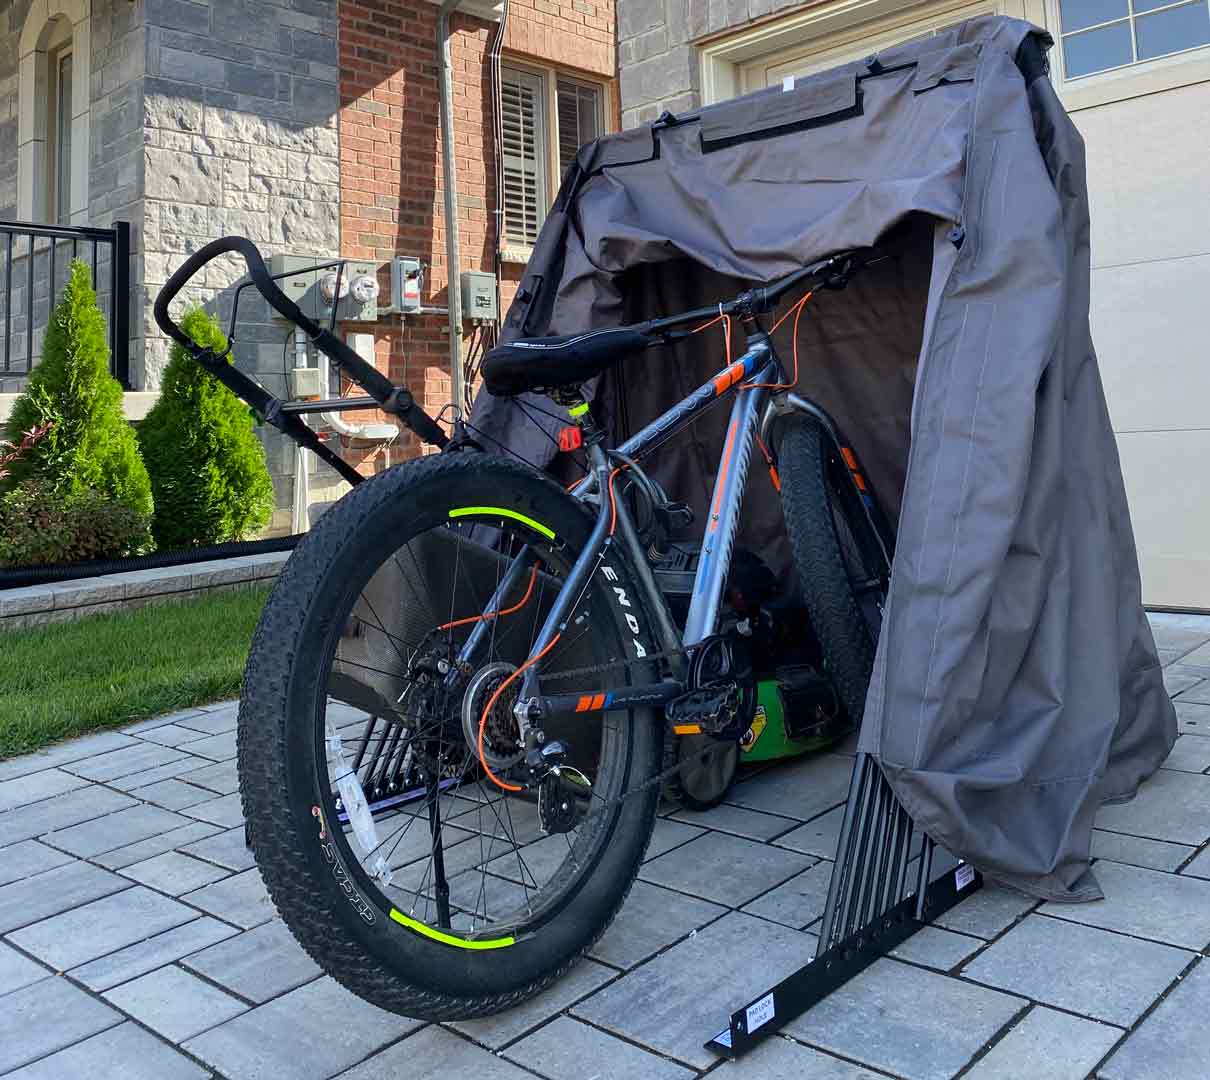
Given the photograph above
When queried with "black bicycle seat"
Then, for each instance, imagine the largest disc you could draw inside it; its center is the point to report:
(549, 363)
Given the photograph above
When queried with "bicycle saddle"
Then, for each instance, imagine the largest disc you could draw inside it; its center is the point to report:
(549, 363)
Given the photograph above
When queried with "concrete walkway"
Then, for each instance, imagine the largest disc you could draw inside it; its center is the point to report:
(137, 941)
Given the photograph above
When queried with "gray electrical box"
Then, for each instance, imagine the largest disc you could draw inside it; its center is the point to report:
(407, 275)
(479, 296)
(301, 287)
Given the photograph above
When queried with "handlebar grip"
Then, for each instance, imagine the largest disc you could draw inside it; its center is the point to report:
(257, 271)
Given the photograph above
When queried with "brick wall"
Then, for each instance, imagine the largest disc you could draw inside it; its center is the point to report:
(390, 147)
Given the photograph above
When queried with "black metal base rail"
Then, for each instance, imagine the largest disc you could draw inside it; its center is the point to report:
(871, 907)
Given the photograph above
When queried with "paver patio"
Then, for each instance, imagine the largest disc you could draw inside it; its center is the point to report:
(137, 940)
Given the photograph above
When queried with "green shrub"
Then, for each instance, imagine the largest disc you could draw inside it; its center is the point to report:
(40, 526)
(207, 467)
(89, 446)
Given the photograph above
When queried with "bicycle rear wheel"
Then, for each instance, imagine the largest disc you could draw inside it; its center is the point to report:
(372, 753)
(840, 564)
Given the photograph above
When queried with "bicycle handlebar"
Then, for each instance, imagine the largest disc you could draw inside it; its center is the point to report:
(764, 298)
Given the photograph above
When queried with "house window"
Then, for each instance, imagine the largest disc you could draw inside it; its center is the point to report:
(546, 117)
(1100, 35)
(58, 143)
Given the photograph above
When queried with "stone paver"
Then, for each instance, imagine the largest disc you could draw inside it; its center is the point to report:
(1147, 904)
(1174, 1041)
(568, 1047)
(652, 919)
(126, 1051)
(101, 927)
(17, 971)
(27, 858)
(174, 1003)
(258, 964)
(115, 830)
(1173, 806)
(61, 812)
(705, 867)
(34, 787)
(224, 848)
(1139, 851)
(937, 948)
(241, 899)
(156, 845)
(45, 1017)
(496, 1031)
(799, 901)
(1047, 1043)
(881, 1019)
(38, 897)
(1079, 968)
(676, 1001)
(318, 1030)
(436, 1054)
(138, 884)
(144, 956)
(174, 873)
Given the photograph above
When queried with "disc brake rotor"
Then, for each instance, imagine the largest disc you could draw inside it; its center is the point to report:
(501, 737)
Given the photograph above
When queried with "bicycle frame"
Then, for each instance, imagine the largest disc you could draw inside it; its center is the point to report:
(756, 407)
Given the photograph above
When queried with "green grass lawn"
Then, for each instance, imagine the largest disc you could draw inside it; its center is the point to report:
(63, 680)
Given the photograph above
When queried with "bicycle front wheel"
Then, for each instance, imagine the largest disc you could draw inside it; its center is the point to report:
(380, 764)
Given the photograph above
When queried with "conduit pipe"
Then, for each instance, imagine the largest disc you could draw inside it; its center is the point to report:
(449, 173)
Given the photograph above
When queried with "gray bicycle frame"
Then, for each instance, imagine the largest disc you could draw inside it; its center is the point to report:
(751, 414)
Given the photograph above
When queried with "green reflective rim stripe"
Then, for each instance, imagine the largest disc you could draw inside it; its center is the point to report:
(502, 511)
(450, 939)
(579, 410)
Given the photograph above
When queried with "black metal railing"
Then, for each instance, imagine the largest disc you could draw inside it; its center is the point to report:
(36, 259)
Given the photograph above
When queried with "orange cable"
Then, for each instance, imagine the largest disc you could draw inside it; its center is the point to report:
(488, 708)
(533, 576)
(797, 309)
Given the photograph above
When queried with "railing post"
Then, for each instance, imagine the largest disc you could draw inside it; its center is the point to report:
(119, 302)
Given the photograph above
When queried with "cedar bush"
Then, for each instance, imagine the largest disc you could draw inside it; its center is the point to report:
(41, 527)
(89, 446)
(208, 471)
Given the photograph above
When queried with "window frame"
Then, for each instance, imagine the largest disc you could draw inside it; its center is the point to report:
(515, 250)
(57, 132)
(1121, 83)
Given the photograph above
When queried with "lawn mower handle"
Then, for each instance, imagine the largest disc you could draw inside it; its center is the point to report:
(390, 398)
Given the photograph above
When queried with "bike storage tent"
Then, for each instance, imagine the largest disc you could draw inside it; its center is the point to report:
(1016, 685)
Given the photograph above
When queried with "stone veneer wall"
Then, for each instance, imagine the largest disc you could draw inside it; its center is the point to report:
(239, 117)
(115, 163)
(657, 62)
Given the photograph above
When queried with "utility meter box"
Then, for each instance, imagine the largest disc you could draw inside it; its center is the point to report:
(299, 287)
(358, 300)
(407, 277)
(479, 296)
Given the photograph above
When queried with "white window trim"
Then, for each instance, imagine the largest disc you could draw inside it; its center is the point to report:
(33, 79)
(1119, 84)
(513, 251)
(841, 20)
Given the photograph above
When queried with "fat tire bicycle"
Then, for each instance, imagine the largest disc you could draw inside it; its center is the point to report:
(454, 713)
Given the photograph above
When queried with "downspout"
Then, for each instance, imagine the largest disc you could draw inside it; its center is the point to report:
(449, 170)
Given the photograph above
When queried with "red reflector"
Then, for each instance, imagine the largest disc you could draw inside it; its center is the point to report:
(571, 438)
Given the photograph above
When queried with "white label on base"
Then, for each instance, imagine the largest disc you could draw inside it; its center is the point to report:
(723, 1038)
(963, 876)
(787, 84)
(760, 1014)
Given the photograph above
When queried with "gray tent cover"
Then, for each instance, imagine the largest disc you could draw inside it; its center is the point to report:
(1016, 685)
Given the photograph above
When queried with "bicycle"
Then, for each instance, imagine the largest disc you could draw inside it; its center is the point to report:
(452, 725)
